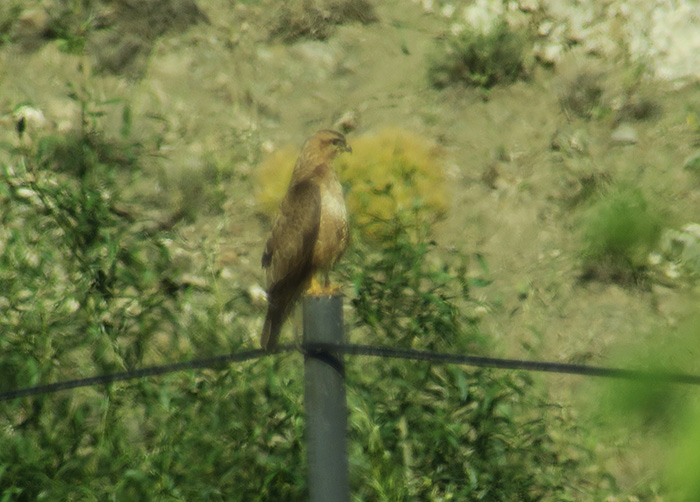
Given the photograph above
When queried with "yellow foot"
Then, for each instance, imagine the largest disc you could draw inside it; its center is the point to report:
(317, 289)
(332, 290)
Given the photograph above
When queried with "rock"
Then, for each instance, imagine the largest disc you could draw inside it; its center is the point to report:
(549, 53)
(33, 117)
(681, 249)
(693, 229)
(545, 28)
(483, 15)
(528, 5)
(427, 5)
(448, 10)
(27, 121)
(570, 140)
(257, 295)
(319, 57)
(30, 28)
(664, 34)
(625, 135)
(347, 123)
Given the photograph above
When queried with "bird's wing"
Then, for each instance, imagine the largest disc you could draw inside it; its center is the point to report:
(289, 250)
(288, 255)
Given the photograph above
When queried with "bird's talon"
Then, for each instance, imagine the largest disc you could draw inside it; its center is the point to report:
(315, 289)
(318, 289)
(332, 290)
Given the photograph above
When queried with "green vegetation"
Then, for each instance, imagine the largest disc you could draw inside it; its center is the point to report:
(479, 59)
(589, 89)
(408, 294)
(90, 288)
(443, 432)
(692, 163)
(581, 93)
(72, 261)
(9, 12)
(619, 232)
(116, 37)
(128, 238)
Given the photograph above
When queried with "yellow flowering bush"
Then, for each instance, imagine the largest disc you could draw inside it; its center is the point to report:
(392, 171)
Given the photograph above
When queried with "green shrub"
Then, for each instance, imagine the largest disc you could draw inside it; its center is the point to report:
(692, 162)
(581, 93)
(619, 231)
(406, 293)
(88, 288)
(479, 59)
(72, 260)
(10, 11)
(433, 432)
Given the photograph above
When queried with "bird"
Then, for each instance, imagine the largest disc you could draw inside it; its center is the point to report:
(309, 234)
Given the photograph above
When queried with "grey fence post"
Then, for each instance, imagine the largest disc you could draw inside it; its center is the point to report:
(324, 397)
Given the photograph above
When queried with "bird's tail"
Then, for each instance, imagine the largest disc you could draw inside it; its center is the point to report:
(281, 300)
(271, 329)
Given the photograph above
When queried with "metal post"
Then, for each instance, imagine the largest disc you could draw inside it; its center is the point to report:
(324, 396)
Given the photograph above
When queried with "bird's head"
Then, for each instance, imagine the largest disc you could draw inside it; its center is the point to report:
(328, 144)
(320, 149)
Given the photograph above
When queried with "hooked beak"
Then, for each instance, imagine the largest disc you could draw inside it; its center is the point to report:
(348, 148)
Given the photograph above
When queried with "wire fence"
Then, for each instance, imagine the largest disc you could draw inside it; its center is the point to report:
(361, 350)
(195, 364)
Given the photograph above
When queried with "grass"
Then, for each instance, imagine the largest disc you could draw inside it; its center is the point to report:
(620, 229)
(9, 13)
(581, 93)
(317, 19)
(479, 59)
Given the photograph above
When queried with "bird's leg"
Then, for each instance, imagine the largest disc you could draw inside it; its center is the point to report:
(315, 289)
(318, 289)
(328, 288)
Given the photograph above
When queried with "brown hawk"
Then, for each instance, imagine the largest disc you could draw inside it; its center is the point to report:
(309, 233)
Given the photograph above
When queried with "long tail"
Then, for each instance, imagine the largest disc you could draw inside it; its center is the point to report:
(271, 329)
(281, 299)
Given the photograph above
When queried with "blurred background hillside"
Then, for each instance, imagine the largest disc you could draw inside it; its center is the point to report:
(525, 176)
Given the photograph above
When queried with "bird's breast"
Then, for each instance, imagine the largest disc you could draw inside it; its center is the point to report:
(333, 229)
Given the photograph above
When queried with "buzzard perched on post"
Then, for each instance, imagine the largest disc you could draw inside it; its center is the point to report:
(309, 234)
